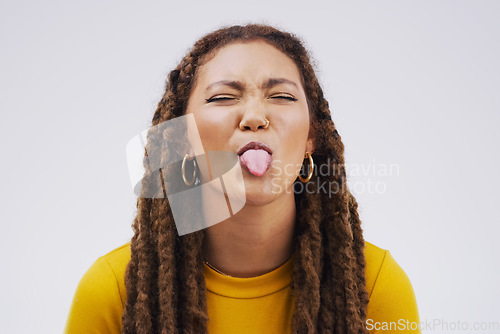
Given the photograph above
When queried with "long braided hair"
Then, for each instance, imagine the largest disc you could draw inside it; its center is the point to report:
(164, 278)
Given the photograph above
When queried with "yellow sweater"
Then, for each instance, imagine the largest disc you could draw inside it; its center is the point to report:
(244, 305)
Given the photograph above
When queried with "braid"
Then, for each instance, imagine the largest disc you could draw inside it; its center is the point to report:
(306, 276)
(142, 306)
(165, 272)
(167, 249)
(128, 315)
(194, 318)
(359, 246)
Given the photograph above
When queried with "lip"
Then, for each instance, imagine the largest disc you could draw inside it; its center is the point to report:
(254, 145)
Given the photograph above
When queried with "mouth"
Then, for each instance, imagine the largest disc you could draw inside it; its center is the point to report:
(256, 157)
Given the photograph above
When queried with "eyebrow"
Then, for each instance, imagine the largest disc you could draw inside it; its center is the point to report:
(238, 85)
(233, 84)
(271, 82)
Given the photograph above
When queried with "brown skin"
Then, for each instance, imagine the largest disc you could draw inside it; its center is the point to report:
(258, 238)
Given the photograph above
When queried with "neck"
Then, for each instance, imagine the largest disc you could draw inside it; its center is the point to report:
(255, 241)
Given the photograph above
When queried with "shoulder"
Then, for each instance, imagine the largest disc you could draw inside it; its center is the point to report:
(117, 261)
(392, 299)
(99, 298)
(374, 257)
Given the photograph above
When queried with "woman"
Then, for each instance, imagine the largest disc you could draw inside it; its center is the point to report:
(293, 259)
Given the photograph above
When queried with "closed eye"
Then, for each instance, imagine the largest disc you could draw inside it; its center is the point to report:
(219, 98)
(285, 97)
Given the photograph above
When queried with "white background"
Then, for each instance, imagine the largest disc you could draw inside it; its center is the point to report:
(410, 83)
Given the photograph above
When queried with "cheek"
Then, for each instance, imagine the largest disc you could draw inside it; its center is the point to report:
(295, 131)
(293, 135)
(214, 128)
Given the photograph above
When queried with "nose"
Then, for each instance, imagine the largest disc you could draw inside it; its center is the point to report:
(254, 118)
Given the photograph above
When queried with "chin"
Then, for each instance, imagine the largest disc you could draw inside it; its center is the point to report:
(259, 199)
(260, 192)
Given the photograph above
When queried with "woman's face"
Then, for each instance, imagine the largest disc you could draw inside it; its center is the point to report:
(235, 92)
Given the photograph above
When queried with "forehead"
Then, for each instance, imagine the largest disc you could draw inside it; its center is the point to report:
(253, 60)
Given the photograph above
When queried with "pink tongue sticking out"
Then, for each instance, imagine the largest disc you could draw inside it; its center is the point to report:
(256, 161)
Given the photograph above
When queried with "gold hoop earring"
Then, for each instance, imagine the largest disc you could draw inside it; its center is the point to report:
(183, 170)
(311, 168)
